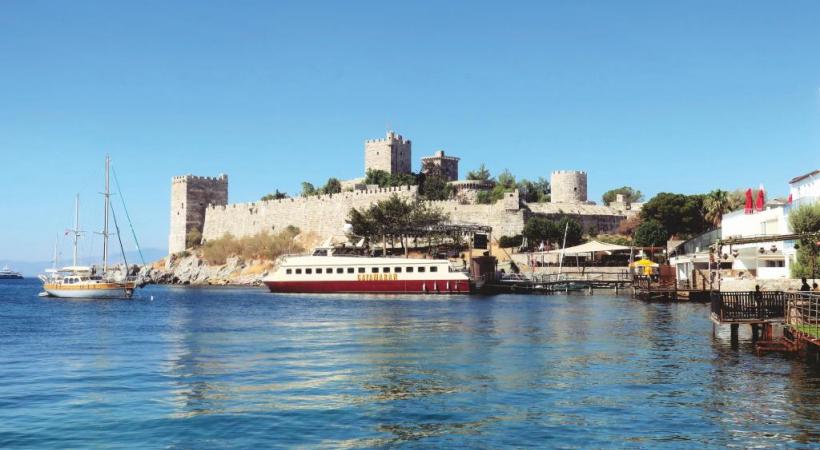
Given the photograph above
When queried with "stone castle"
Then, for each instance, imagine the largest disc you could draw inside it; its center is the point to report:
(201, 203)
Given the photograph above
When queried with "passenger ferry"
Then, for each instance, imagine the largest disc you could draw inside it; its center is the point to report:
(323, 272)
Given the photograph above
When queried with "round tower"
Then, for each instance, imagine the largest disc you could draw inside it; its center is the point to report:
(568, 186)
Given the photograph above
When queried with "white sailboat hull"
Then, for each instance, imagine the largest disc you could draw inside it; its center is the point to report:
(88, 293)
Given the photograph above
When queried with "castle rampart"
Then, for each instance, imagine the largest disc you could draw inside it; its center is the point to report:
(324, 215)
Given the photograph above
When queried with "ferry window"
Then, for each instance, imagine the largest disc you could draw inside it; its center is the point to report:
(374, 270)
(361, 269)
(298, 271)
(397, 270)
(421, 269)
(328, 270)
(409, 269)
(385, 270)
(433, 268)
(308, 271)
(318, 271)
(340, 270)
(350, 270)
(288, 271)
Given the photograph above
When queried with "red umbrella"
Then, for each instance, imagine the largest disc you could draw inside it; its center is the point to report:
(790, 199)
(760, 200)
(749, 208)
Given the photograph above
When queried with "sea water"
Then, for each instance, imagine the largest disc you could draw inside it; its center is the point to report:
(242, 368)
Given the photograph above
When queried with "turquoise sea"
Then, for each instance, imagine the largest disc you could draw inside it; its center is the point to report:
(242, 368)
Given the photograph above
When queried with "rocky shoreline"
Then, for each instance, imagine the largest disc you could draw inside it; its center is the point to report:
(192, 270)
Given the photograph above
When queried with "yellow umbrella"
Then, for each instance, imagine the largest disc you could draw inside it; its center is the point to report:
(645, 264)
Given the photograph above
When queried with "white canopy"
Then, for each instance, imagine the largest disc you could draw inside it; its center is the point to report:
(590, 247)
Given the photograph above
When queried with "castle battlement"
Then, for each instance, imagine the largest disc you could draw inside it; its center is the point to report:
(222, 178)
(315, 199)
(569, 172)
(391, 136)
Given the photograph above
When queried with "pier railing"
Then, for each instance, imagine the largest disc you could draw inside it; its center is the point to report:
(803, 313)
(752, 306)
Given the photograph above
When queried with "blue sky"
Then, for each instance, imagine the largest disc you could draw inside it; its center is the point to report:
(662, 96)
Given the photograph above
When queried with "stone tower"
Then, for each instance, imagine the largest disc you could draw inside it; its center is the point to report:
(448, 164)
(568, 186)
(391, 154)
(190, 195)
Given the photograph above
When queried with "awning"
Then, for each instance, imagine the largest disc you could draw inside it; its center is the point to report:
(643, 263)
(590, 247)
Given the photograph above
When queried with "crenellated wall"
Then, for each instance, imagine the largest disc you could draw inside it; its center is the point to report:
(190, 196)
(324, 215)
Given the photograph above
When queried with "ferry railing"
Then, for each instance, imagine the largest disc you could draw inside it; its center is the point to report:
(803, 313)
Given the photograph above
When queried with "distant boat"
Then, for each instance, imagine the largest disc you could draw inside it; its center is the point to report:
(8, 274)
(84, 282)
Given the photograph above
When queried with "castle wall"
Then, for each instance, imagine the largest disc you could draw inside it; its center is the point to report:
(324, 215)
(190, 196)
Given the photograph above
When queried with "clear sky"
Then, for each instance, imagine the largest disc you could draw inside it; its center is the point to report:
(662, 96)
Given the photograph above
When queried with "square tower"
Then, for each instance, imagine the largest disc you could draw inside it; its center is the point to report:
(447, 164)
(391, 154)
(190, 197)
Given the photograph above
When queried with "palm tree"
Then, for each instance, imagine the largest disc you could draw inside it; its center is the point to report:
(716, 204)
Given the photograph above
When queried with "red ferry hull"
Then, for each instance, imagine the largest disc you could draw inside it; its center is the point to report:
(373, 287)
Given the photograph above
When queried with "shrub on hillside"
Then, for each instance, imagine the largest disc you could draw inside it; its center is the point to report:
(264, 245)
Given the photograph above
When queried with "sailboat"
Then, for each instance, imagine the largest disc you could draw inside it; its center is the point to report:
(77, 281)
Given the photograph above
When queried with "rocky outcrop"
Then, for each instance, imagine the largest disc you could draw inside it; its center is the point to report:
(193, 270)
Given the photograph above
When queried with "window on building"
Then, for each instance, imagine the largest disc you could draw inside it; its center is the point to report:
(433, 268)
(374, 270)
(769, 227)
(421, 268)
(298, 271)
(288, 271)
(409, 269)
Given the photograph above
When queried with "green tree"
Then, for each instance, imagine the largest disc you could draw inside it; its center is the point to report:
(806, 219)
(482, 174)
(540, 229)
(433, 184)
(274, 196)
(385, 179)
(574, 231)
(681, 215)
(505, 183)
(333, 186)
(308, 189)
(393, 218)
(716, 204)
(651, 233)
(630, 195)
(534, 191)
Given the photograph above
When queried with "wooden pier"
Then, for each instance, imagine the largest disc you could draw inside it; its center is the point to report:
(666, 289)
(557, 283)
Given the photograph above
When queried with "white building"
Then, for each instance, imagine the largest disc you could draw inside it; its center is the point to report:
(805, 189)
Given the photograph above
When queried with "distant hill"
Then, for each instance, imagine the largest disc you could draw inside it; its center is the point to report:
(32, 268)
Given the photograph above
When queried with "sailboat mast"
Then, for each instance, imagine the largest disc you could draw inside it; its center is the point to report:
(106, 195)
(76, 229)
